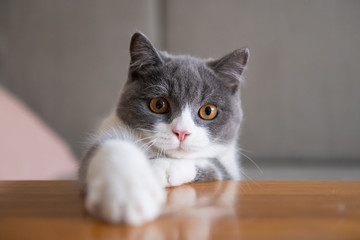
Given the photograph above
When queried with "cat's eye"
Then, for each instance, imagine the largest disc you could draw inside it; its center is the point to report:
(159, 105)
(208, 111)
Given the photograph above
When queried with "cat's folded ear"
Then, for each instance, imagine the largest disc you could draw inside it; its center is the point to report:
(231, 67)
(142, 53)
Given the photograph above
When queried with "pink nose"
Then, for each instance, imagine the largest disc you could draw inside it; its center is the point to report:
(181, 134)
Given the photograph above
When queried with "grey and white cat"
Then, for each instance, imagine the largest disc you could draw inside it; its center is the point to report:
(177, 121)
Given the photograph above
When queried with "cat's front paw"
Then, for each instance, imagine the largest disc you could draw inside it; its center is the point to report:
(121, 203)
(174, 172)
(121, 188)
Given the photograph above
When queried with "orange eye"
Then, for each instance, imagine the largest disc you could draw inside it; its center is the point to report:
(208, 111)
(159, 105)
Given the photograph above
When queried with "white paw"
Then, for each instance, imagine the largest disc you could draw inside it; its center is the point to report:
(121, 187)
(174, 172)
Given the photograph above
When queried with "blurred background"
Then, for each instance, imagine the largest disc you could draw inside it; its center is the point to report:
(65, 62)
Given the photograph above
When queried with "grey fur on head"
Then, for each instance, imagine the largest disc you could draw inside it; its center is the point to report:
(183, 81)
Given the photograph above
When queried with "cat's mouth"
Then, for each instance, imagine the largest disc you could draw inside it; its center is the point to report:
(170, 146)
(180, 148)
(185, 146)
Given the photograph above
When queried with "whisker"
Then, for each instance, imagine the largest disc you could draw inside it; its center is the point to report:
(245, 150)
(146, 130)
(158, 152)
(146, 144)
(143, 139)
(162, 152)
(247, 176)
(250, 179)
(257, 166)
(152, 142)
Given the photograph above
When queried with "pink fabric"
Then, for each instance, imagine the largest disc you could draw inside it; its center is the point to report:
(28, 148)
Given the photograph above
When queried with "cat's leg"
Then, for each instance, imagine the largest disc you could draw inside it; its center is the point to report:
(174, 172)
(120, 185)
(171, 172)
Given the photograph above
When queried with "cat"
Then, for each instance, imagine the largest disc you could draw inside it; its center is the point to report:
(177, 121)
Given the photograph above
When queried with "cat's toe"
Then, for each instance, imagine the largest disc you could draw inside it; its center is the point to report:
(142, 211)
(144, 204)
(110, 211)
(99, 204)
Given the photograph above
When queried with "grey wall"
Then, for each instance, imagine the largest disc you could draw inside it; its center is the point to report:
(302, 91)
(67, 60)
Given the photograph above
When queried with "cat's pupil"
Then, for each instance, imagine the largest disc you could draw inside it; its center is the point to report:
(208, 110)
(159, 104)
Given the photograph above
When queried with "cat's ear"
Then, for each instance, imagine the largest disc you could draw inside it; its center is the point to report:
(142, 53)
(231, 67)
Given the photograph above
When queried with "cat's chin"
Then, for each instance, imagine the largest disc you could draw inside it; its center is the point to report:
(190, 152)
(181, 154)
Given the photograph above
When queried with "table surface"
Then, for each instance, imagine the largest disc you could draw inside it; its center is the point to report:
(215, 210)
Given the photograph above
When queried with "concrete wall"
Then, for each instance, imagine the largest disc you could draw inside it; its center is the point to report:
(302, 91)
(67, 60)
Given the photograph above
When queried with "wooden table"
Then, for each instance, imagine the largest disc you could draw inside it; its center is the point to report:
(216, 210)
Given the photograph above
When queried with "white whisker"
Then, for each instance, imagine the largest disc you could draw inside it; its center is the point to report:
(146, 130)
(145, 144)
(249, 178)
(257, 166)
(151, 143)
(145, 138)
(161, 152)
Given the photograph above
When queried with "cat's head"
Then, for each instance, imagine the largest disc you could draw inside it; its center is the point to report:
(182, 106)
